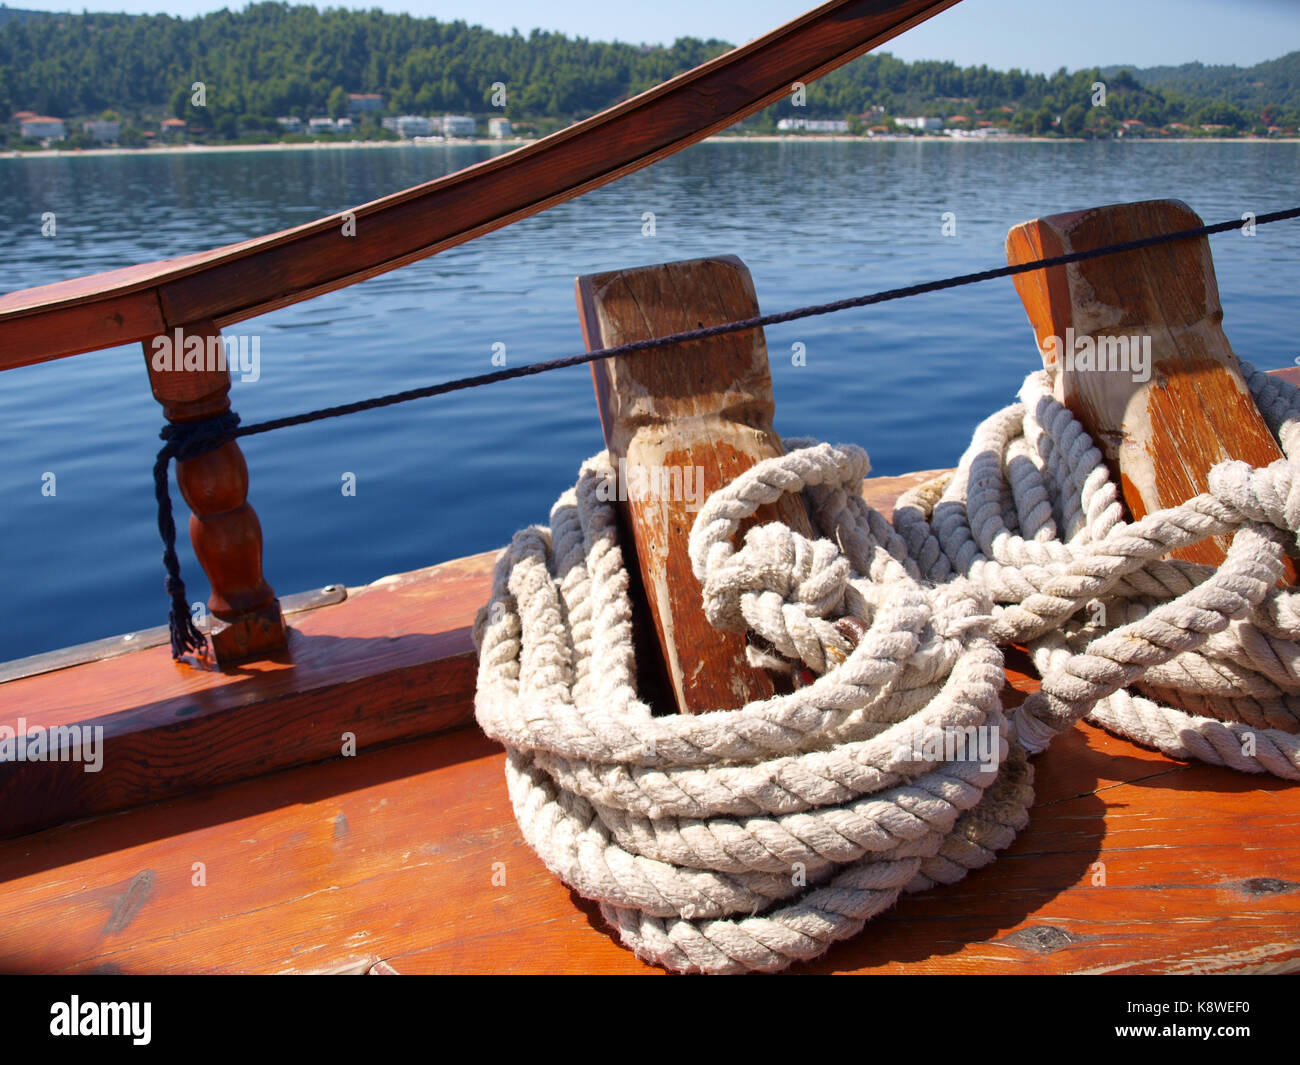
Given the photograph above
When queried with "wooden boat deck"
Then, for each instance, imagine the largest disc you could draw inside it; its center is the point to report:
(391, 856)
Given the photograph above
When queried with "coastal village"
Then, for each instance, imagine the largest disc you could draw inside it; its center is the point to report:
(367, 119)
(365, 110)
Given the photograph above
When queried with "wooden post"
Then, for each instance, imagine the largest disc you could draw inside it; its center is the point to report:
(1140, 355)
(698, 415)
(224, 529)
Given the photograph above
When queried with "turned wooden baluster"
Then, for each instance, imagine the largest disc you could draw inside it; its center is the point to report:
(1162, 430)
(224, 529)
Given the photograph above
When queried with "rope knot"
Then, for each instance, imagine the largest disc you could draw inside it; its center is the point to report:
(961, 609)
(781, 586)
(1268, 494)
(189, 440)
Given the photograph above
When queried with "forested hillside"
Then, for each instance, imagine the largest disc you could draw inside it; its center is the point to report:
(9, 14)
(274, 59)
(1272, 84)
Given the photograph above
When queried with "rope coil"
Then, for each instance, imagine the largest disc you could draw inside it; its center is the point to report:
(748, 839)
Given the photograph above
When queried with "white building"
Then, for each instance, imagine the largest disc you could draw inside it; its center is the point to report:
(102, 130)
(924, 125)
(413, 126)
(43, 128)
(458, 126)
(321, 125)
(290, 123)
(498, 128)
(343, 125)
(813, 125)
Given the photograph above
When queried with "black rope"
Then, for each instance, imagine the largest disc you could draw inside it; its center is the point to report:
(741, 325)
(190, 439)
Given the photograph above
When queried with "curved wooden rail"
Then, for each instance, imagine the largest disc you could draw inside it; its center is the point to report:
(239, 281)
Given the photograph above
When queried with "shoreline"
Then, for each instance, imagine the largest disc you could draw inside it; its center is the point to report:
(518, 142)
(271, 146)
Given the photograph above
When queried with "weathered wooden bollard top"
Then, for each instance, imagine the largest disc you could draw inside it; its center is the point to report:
(1140, 355)
(693, 416)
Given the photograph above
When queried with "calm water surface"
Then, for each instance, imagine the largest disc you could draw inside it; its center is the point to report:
(449, 476)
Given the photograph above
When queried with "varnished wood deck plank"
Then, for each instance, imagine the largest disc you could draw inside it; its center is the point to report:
(411, 855)
(393, 661)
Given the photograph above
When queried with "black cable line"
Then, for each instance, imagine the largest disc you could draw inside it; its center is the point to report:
(187, 440)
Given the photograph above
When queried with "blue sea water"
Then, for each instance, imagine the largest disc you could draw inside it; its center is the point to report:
(453, 475)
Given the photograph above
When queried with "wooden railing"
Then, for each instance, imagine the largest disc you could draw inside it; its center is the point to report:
(202, 293)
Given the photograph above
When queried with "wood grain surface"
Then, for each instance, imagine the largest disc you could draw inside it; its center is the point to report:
(1160, 425)
(680, 424)
(410, 855)
(394, 660)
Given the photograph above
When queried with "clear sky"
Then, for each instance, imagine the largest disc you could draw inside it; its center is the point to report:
(1036, 35)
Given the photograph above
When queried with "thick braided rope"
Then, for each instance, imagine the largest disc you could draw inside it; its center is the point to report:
(1195, 662)
(748, 839)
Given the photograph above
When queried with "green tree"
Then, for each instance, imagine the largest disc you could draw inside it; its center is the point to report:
(338, 102)
(1074, 119)
(180, 103)
(1222, 114)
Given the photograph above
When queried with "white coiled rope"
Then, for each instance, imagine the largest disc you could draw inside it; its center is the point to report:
(751, 838)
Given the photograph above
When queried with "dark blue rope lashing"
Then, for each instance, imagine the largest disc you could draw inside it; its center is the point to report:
(184, 440)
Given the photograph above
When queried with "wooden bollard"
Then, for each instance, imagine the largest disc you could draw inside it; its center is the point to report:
(1140, 355)
(696, 414)
(224, 529)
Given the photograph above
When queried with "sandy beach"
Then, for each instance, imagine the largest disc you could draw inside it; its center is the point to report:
(517, 142)
(274, 146)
